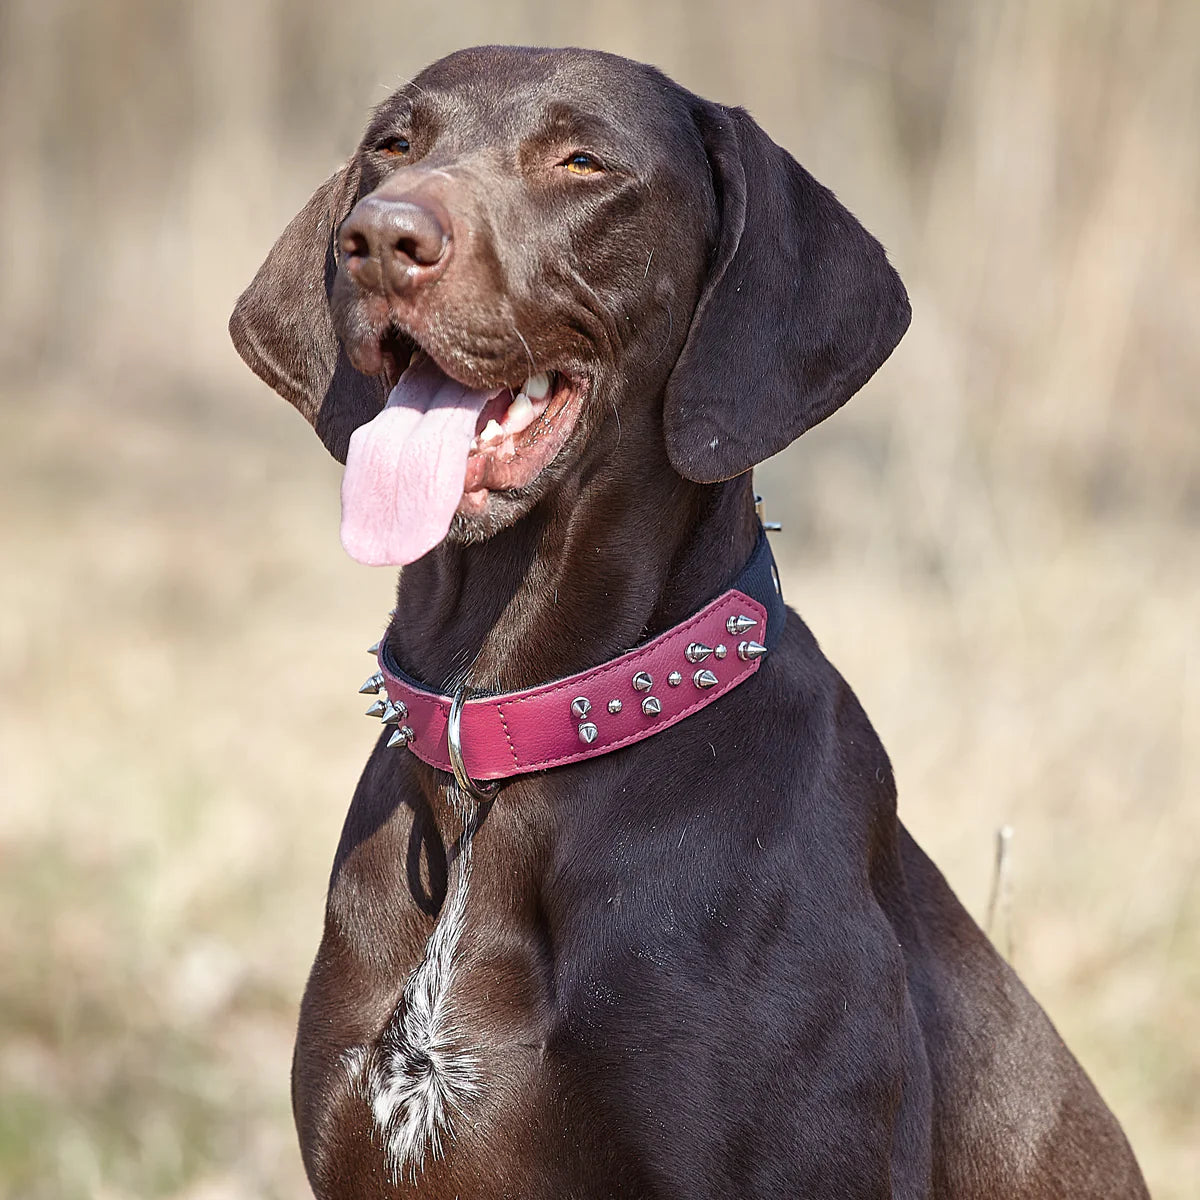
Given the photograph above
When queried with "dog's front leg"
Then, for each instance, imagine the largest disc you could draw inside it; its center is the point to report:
(745, 1036)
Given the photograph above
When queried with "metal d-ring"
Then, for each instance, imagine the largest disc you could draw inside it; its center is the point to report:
(480, 792)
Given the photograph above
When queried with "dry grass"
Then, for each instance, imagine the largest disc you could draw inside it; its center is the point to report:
(996, 542)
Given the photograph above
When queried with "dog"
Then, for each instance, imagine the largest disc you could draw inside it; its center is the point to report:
(551, 314)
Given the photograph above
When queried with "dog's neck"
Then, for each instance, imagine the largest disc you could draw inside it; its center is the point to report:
(585, 576)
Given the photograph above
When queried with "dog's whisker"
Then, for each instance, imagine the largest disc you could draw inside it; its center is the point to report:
(528, 352)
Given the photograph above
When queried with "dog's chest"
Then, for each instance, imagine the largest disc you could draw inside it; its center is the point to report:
(466, 1091)
(456, 1081)
(493, 1051)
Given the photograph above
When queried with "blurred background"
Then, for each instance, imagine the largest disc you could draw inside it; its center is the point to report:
(996, 541)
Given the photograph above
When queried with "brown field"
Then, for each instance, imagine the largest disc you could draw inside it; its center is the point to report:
(996, 542)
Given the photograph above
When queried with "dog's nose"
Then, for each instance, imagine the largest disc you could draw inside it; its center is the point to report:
(394, 245)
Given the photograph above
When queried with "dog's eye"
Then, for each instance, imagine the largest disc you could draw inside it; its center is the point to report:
(395, 147)
(581, 164)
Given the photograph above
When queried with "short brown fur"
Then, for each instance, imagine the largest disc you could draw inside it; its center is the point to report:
(712, 964)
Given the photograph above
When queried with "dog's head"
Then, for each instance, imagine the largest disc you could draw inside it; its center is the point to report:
(533, 248)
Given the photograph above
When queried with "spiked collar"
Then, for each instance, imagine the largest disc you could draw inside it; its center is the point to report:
(622, 701)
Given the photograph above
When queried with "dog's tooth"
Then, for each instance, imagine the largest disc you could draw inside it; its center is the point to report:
(491, 431)
(537, 386)
(520, 414)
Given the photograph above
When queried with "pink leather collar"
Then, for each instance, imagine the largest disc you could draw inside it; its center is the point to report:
(597, 711)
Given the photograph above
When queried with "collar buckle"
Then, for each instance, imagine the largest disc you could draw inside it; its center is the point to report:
(479, 792)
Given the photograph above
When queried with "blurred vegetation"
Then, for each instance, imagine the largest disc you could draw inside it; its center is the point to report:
(996, 541)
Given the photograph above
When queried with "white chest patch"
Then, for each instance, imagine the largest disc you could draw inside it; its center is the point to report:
(419, 1074)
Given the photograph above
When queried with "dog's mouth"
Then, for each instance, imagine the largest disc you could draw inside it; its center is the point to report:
(518, 434)
(441, 447)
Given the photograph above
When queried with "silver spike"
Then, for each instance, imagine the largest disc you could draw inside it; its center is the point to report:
(760, 513)
(751, 650)
(704, 679)
(375, 648)
(374, 683)
(615, 706)
(652, 706)
(739, 625)
(675, 679)
(588, 733)
(396, 713)
(642, 681)
(697, 652)
(378, 708)
(581, 706)
(401, 737)
(721, 650)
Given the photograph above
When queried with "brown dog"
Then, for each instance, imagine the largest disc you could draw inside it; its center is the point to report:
(712, 963)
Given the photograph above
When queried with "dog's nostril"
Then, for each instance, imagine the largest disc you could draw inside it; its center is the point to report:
(355, 244)
(416, 233)
(424, 252)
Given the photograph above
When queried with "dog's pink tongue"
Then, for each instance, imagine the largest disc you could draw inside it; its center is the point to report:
(405, 469)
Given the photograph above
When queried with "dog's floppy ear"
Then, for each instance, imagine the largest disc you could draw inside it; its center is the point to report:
(281, 324)
(799, 309)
